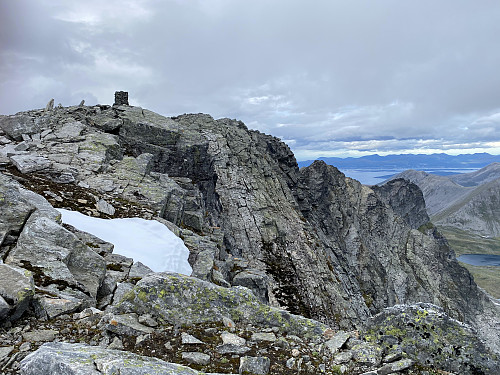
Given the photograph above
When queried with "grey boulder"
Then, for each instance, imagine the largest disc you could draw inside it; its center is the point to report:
(79, 359)
(58, 256)
(180, 299)
(16, 289)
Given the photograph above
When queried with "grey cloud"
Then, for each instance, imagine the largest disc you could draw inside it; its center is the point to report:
(325, 75)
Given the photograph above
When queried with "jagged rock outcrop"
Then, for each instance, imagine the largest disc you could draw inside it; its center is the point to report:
(439, 191)
(406, 199)
(310, 241)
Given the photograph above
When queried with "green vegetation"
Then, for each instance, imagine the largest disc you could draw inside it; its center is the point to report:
(486, 277)
(463, 242)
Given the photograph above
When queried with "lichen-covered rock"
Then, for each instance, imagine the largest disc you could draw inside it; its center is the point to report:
(367, 354)
(430, 337)
(79, 359)
(180, 299)
(254, 365)
(124, 324)
(397, 366)
(17, 289)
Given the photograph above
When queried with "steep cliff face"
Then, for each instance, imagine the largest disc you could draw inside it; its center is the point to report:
(381, 254)
(308, 240)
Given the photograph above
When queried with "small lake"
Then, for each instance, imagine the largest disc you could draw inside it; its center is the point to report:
(480, 259)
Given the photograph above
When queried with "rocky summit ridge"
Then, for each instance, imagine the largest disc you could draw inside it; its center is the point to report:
(294, 270)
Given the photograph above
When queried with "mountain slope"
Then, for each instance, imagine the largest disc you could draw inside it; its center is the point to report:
(467, 201)
(439, 191)
(310, 241)
(488, 173)
(478, 211)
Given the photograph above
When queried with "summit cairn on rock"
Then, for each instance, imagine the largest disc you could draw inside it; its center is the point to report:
(121, 98)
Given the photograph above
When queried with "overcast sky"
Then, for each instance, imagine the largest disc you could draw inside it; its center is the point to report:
(330, 78)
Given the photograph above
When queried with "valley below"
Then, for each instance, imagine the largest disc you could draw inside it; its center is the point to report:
(487, 277)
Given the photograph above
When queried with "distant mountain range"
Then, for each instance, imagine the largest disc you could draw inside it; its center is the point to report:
(410, 161)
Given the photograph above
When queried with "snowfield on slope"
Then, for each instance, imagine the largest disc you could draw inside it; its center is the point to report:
(147, 241)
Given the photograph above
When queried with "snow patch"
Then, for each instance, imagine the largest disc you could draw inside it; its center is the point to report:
(147, 241)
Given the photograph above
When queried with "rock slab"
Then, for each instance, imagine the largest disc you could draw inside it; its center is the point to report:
(78, 359)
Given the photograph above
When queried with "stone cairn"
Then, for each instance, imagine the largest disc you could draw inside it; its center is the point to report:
(121, 98)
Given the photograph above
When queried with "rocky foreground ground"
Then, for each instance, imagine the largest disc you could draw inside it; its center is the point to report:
(302, 272)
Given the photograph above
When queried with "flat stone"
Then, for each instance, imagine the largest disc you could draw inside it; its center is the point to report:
(393, 356)
(337, 341)
(148, 320)
(125, 324)
(56, 306)
(231, 338)
(88, 312)
(23, 146)
(70, 131)
(25, 347)
(254, 365)
(4, 140)
(232, 349)
(5, 351)
(263, 336)
(105, 207)
(397, 366)
(42, 335)
(79, 359)
(30, 163)
(196, 358)
(343, 357)
(188, 339)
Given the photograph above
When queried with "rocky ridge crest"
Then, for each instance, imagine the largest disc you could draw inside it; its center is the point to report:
(309, 241)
